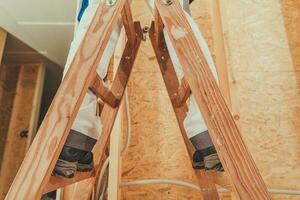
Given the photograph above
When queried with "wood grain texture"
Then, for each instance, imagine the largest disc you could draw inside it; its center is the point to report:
(37, 166)
(8, 83)
(118, 131)
(219, 49)
(264, 84)
(57, 182)
(236, 159)
(3, 35)
(109, 114)
(157, 149)
(36, 104)
(101, 91)
(183, 93)
(21, 115)
(208, 188)
(115, 161)
(128, 22)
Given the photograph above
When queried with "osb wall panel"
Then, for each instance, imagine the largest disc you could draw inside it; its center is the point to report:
(262, 51)
(263, 55)
(157, 149)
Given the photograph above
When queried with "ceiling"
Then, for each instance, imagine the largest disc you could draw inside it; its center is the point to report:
(45, 25)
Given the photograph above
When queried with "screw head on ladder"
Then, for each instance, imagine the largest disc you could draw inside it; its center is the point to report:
(111, 2)
(167, 2)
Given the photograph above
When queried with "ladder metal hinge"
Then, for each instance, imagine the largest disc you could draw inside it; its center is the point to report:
(111, 2)
(146, 30)
(167, 2)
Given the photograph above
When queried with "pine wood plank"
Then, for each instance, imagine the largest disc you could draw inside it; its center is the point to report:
(36, 104)
(114, 176)
(23, 111)
(183, 93)
(37, 166)
(128, 22)
(237, 161)
(220, 50)
(57, 182)
(8, 83)
(101, 91)
(109, 114)
(208, 189)
(3, 35)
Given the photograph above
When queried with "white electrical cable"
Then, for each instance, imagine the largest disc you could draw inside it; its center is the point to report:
(103, 169)
(193, 186)
(164, 181)
(124, 150)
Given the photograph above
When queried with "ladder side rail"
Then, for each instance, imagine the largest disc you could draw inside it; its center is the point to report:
(183, 93)
(128, 22)
(118, 88)
(208, 188)
(40, 160)
(119, 85)
(235, 157)
(109, 114)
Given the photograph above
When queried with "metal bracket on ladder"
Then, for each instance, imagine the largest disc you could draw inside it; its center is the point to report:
(34, 176)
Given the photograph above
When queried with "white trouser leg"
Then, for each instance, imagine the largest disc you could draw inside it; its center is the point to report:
(194, 123)
(86, 122)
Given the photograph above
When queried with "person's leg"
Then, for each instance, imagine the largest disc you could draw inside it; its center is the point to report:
(205, 156)
(76, 154)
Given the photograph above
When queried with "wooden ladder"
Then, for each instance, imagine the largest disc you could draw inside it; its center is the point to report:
(34, 176)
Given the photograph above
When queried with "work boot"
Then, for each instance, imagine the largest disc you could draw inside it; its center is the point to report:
(207, 159)
(86, 163)
(49, 196)
(205, 156)
(212, 162)
(66, 165)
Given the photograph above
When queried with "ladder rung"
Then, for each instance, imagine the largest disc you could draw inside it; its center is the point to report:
(57, 182)
(101, 91)
(221, 179)
(183, 93)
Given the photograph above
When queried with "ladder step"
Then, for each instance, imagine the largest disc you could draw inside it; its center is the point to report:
(57, 182)
(101, 91)
(183, 93)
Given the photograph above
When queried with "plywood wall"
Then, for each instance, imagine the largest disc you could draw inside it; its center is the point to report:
(262, 53)
(157, 149)
(23, 111)
(262, 40)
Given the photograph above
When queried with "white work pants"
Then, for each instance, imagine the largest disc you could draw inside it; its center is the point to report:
(88, 124)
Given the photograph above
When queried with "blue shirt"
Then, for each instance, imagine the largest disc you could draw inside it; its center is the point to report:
(84, 5)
